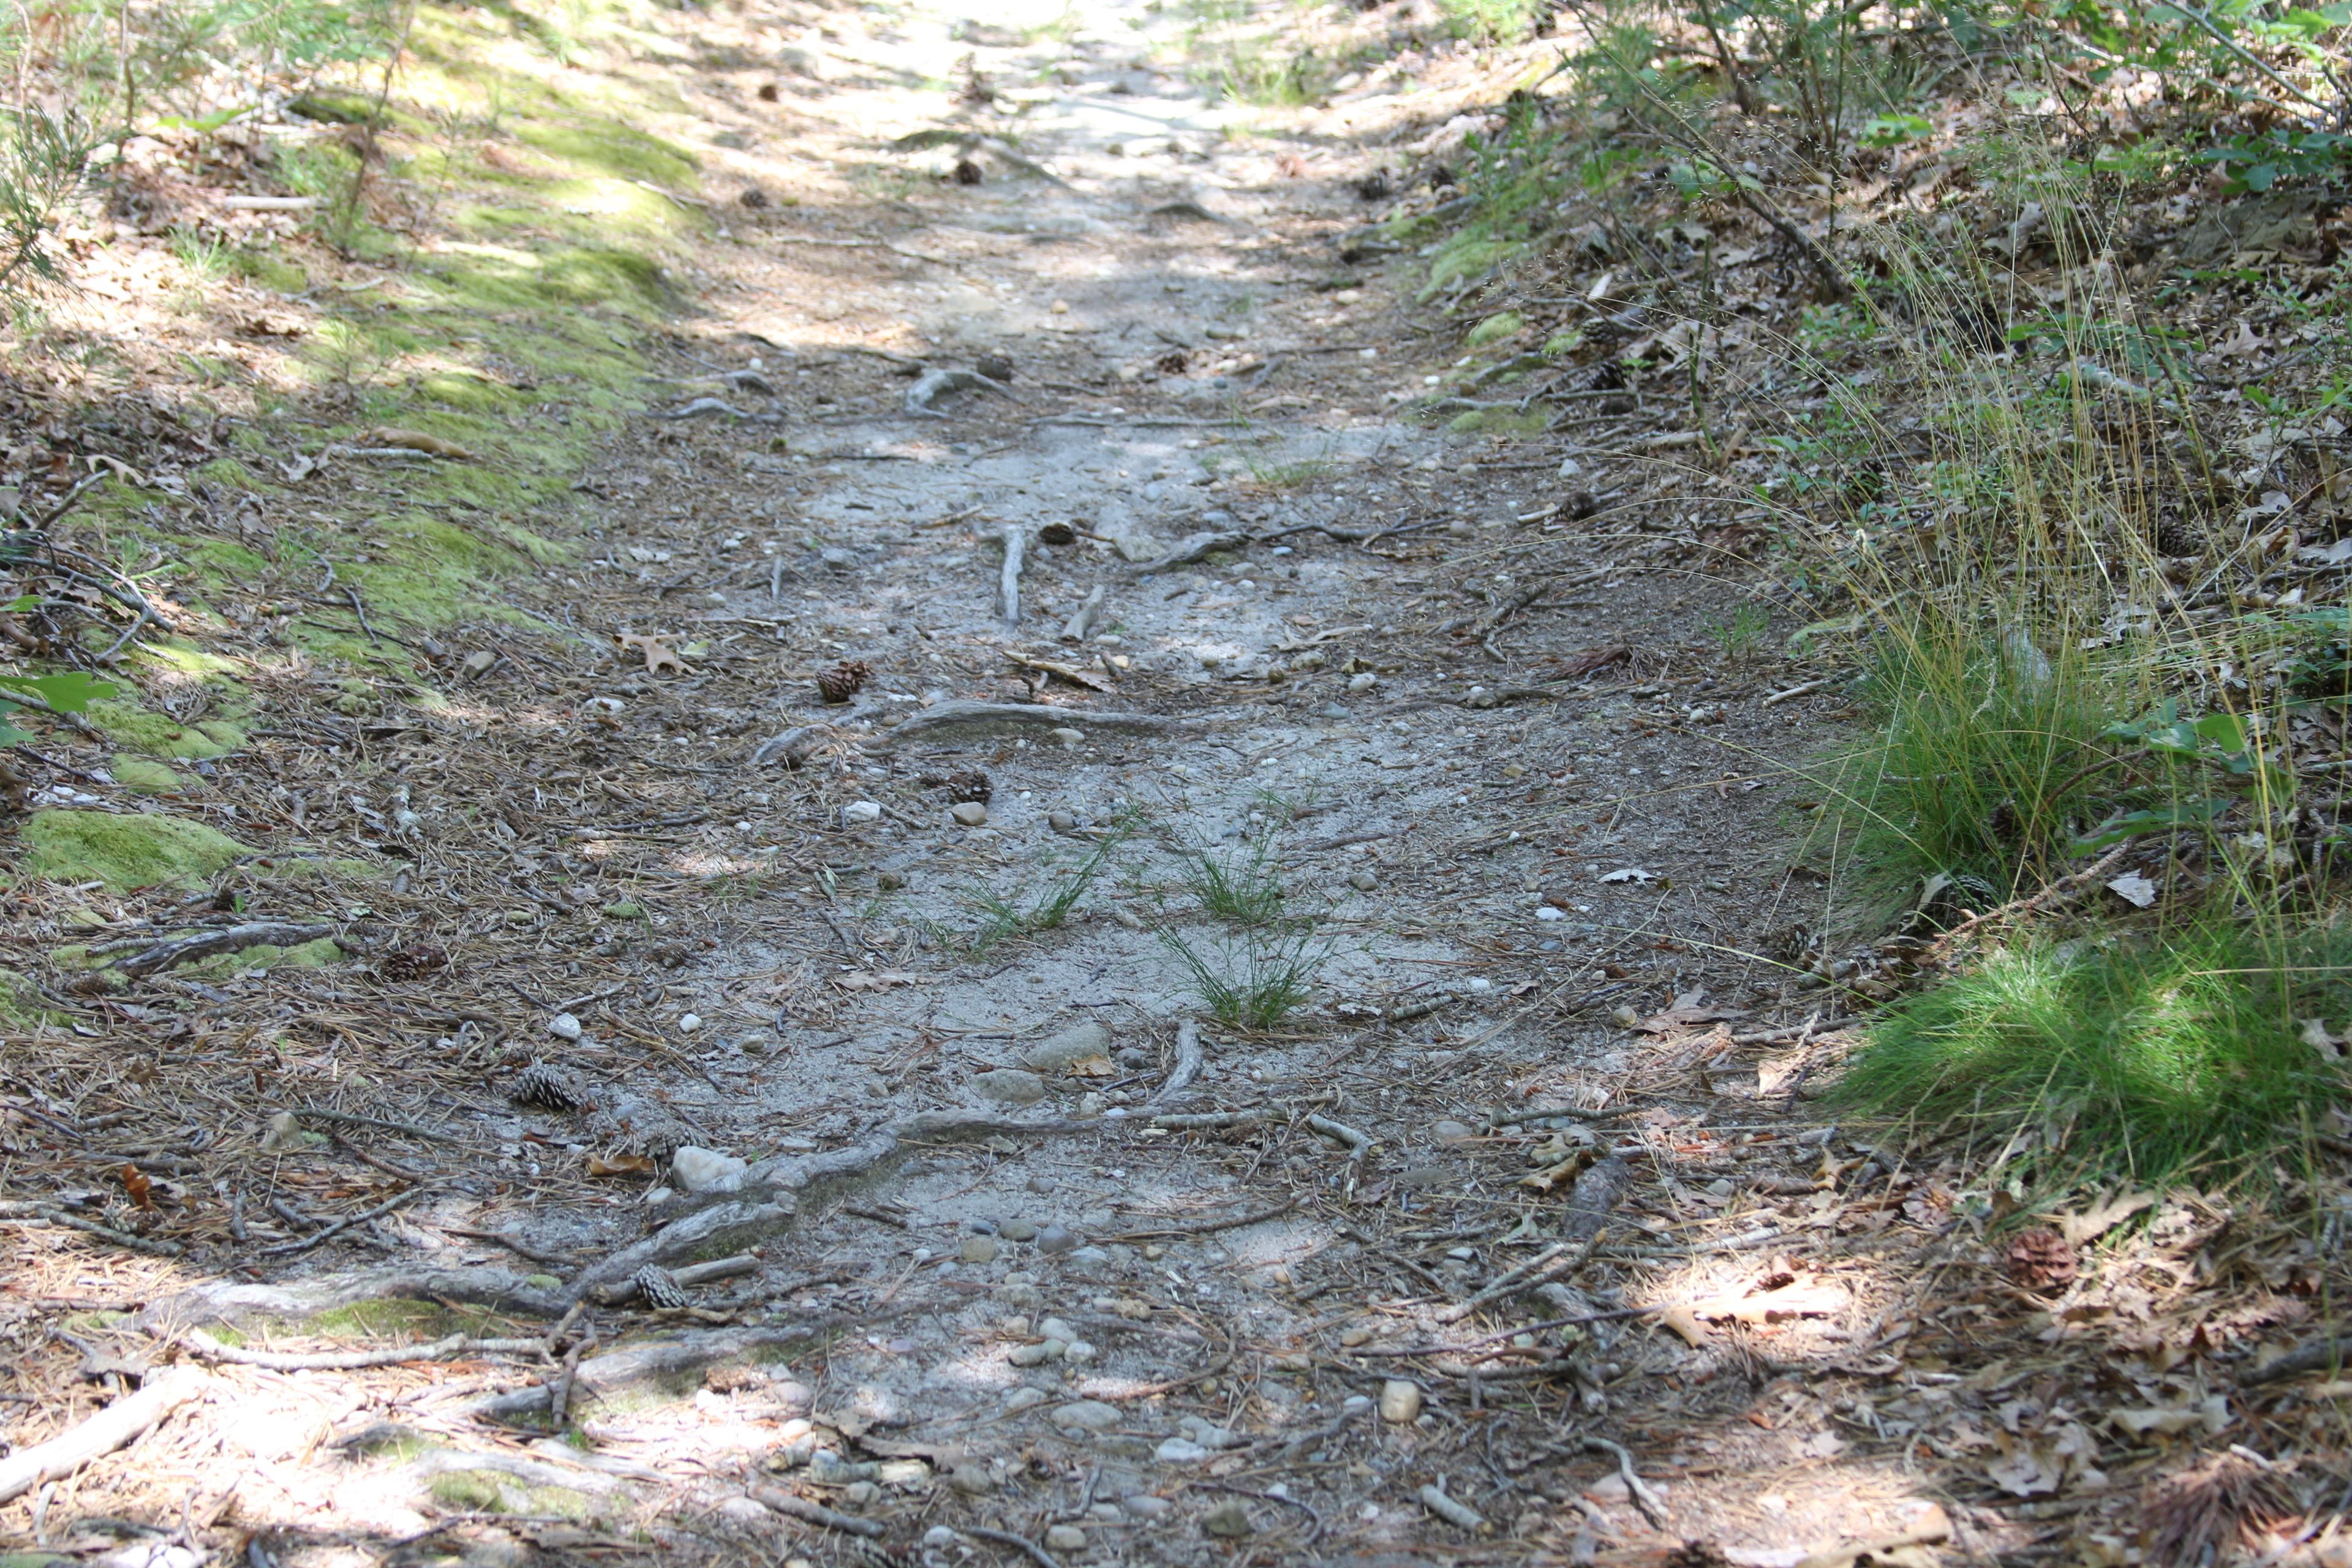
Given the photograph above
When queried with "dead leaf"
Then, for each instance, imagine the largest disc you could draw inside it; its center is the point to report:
(620, 1165)
(1685, 1321)
(1069, 672)
(1687, 1011)
(2210, 1414)
(2082, 1229)
(2134, 889)
(141, 1191)
(1892, 1550)
(1793, 1296)
(876, 979)
(659, 654)
(1093, 1067)
(1629, 874)
(418, 441)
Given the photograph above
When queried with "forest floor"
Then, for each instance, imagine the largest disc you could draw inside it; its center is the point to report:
(1515, 1236)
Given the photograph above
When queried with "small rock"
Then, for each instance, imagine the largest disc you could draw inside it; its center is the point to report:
(860, 1494)
(1180, 1451)
(564, 1027)
(1010, 1085)
(1143, 1505)
(1363, 881)
(1624, 1017)
(1031, 1355)
(1450, 1131)
(1065, 1537)
(1079, 1351)
(1087, 1257)
(861, 810)
(688, 1022)
(1362, 681)
(1017, 1230)
(1022, 1399)
(744, 1511)
(890, 881)
(1089, 1042)
(280, 1132)
(1054, 1329)
(1070, 740)
(1399, 1401)
(1088, 1415)
(969, 813)
(706, 1171)
(1229, 1520)
(1056, 1239)
(979, 1250)
(940, 1536)
(837, 559)
(1061, 822)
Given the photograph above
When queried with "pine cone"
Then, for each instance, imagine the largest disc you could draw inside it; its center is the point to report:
(843, 680)
(970, 783)
(412, 963)
(2041, 1259)
(660, 1288)
(548, 1087)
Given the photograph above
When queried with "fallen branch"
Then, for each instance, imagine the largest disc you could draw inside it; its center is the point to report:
(1008, 582)
(230, 939)
(1359, 1143)
(689, 1274)
(2064, 887)
(206, 1348)
(1643, 1498)
(1234, 1222)
(1077, 627)
(963, 715)
(320, 1113)
(336, 1229)
(794, 748)
(934, 384)
(1459, 1515)
(1195, 547)
(1187, 1063)
(1210, 1121)
(48, 1214)
(122, 1422)
(662, 1361)
(2321, 1355)
(807, 1512)
(1021, 1543)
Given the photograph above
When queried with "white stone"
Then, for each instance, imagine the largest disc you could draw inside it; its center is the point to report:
(1087, 1414)
(688, 1022)
(564, 1027)
(861, 810)
(1399, 1401)
(707, 1170)
(1180, 1451)
(969, 813)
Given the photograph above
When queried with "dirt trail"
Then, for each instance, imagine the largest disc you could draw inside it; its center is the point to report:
(934, 1057)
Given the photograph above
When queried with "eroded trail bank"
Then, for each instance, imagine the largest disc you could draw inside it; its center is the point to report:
(833, 843)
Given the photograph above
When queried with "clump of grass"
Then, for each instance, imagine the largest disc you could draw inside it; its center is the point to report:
(1242, 885)
(1027, 909)
(1252, 982)
(1741, 634)
(2153, 1057)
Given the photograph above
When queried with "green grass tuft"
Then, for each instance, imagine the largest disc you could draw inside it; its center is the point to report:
(2176, 1056)
(1255, 982)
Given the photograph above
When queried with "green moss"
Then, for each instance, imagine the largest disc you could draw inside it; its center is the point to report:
(256, 267)
(1561, 343)
(181, 657)
(474, 1491)
(226, 472)
(611, 149)
(20, 1001)
(124, 851)
(1466, 255)
(134, 729)
(308, 955)
(1493, 329)
(475, 392)
(627, 909)
(144, 776)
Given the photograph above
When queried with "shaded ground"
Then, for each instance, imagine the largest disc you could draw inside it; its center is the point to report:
(1528, 851)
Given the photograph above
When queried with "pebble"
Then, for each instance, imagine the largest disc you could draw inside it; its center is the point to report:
(1399, 1401)
(688, 1022)
(1071, 739)
(1022, 1399)
(970, 813)
(1088, 1415)
(979, 1250)
(1089, 1257)
(564, 1027)
(1054, 1329)
(1010, 1085)
(1017, 1230)
(1031, 1355)
(940, 1536)
(890, 881)
(1228, 1520)
(1056, 1239)
(1108, 1512)
(1065, 1537)
(837, 558)
(1450, 1131)
(1362, 681)
(1180, 1451)
(1546, 913)
(862, 811)
(1079, 1350)
(1363, 881)
(1061, 822)
(706, 1170)
(1143, 1505)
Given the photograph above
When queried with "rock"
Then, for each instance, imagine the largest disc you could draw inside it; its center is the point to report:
(1228, 1520)
(938, 1537)
(1207, 1434)
(1030, 1355)
(564, 1027)
(1069, 739)
(861, 1494)
(1017, 1230)
(1065, 1537)
(1088, 1043)
(1399, 1401)
(1054, 1329)
(1061, 822)
(688, 1022)
(862, 811)
(890, 881)
(837, 559)
(1180, 1451)
(1056, 1239)
(1363, 881)
(1088, 1415)
(979, 1250)
(742, 1510)
(1143, 1505)
(1079, 1351)
(1362, 681)
(706, 1171)
(1452, 1131)
(1087, 1257)
(1010, 1085)
(1022, 1399)
(280, 1132)
(969, 813)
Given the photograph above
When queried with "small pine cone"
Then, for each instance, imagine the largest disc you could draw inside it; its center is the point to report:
(969, 784)
(660, 1288)
(548, 1087)
(843, 680)
(2041, 1259)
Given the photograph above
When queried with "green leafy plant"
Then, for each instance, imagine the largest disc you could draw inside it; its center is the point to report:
(71, 692)
(1027, 909)
(2257, 162)
(43, 159)
(1740, 634)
